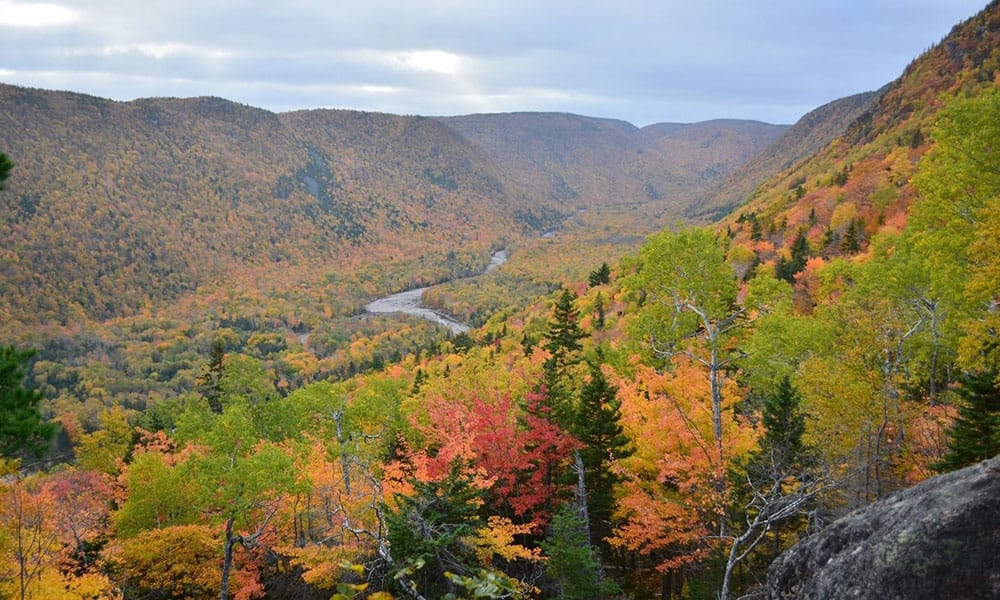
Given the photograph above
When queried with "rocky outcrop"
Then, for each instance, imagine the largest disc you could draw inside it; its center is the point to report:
(939, 539)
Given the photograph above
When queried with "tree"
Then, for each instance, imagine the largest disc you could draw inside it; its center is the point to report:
(799, 256)
(601, 276)
(209, 385)
(975, 434)
(955, 220)
(597, 426)
(692, 309)
(430, 532)
(573, 564)
(22, 431)
(563, 345)
(5, 167)
(775, 483)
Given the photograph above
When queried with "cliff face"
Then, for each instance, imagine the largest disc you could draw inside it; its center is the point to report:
(939, 539)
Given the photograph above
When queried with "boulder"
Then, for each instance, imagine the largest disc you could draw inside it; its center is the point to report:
(938, 539)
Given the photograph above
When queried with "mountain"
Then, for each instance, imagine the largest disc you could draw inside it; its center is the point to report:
(860, 182)
(114, 207)
(808, 135)
(585, 161)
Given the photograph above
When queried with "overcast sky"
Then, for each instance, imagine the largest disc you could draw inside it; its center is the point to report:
(641, 61)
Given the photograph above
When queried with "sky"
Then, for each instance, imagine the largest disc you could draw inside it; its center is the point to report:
(636, 60)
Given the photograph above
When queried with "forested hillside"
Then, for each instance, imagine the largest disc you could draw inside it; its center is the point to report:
(660, 425)
(117, 207)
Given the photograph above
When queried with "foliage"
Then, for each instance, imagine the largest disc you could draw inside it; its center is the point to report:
(22, 430)
(430, 531)
(572, 563)
(597, 426)
(975, 434)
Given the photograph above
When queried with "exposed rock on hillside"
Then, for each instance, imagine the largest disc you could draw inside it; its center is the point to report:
(939, 539)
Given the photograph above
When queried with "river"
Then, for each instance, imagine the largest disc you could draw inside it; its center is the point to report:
(410, 302)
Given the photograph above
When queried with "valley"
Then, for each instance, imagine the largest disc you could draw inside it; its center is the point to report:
(332, 353)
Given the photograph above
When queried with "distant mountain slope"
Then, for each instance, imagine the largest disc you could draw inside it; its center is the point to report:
(116, 206)
(860, 182)
(808, 135)
(584, 161)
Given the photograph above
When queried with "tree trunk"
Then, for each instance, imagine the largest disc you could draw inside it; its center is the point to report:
(227, 562)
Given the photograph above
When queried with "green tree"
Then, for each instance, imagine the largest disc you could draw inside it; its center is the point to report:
(22, 429)
(5, 167)
(692, 308)
(209, 385)
(601, 276)
(955, 220)
(799, 256)
(565, 350)
(572, 563)
(597, 426)
(851, 242)
(774, 486)
(430, 532)
(975, 434)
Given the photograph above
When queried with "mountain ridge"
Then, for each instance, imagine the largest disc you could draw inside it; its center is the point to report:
(113, 205)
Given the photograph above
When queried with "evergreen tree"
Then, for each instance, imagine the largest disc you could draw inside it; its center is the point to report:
(599, 311)
(209, 384)
(5, 168)
(22, 431)
(851, 243)
(601, 276)
(572, 564)
(784, 425)
(429, 532)
(975, 434)
(799, 256)
(564, 348)
(597, 426)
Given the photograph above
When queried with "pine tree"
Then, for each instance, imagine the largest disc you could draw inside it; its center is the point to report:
(5, 167)
(597, 426)
(572, 563)
(564, 348)
(430, 531)
(209, 384)
(601, 276)
(851, 244)
(975, 434)
(599, 311)
(22, 431)
(799, 256)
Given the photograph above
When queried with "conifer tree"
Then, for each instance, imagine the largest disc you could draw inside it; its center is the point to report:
(430, 531)
(5, 166)
(597, 426)
(975, 434)
(564, 348)
(601, 276)
(22, 430)
(209, 385)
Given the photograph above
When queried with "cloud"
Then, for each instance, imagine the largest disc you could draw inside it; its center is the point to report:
(35, 14)
(437, 61)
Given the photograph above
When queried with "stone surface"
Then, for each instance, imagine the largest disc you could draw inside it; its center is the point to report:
(939, 539)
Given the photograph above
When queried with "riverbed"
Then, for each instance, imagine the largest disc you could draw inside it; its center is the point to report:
(411, 302)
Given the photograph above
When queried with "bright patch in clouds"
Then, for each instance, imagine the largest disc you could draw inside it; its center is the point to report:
(15, 14)
(434, 61)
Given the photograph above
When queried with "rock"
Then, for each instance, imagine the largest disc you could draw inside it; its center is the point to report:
(938, 539)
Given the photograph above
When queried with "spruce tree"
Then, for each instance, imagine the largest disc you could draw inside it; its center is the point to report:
(601, 276)
(975, 434)
(209, 384)
(563, 345)
(5, 167)
(597, 426)
(430, 531)
(22, 430)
